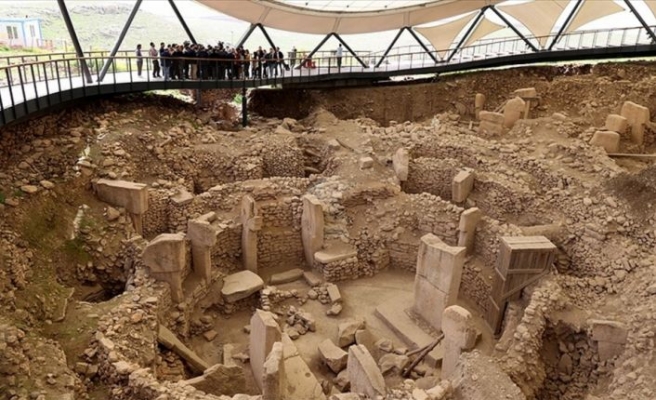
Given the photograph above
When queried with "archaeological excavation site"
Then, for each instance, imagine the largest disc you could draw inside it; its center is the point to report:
(478, 236)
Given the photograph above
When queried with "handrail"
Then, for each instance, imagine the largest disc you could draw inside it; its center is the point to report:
(38, 81)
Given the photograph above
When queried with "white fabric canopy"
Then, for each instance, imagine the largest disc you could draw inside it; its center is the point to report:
(652, 5)
(484, 28)
(594, 10)
(539, 16)
(442, 36)
(304, 20)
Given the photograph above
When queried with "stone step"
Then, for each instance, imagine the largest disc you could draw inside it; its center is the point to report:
(332, 255)
(286, 277)
(393, 313)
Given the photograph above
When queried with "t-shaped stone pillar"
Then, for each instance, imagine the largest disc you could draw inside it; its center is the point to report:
(265, 331)
(251, 223)
(202, 236)
(469, 219)
(131, 195)
(165, 256)
(459, 334)
(312, 224)
(439, 270)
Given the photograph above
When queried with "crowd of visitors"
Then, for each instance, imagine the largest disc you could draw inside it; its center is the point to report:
(195, 61)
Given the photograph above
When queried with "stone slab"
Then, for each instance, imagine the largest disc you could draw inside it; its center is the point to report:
(300, 381)
(331, 256)
(333, 293)
(312, 279)
(240, 285)
(287, 276)
(334, 357)
(168, 339)
(610, 141)
(130, 195)
(364, 374)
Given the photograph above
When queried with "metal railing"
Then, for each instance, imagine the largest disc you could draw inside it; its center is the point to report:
(41, 83)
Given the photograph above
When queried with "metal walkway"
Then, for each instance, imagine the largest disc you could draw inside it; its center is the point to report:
(34, 87)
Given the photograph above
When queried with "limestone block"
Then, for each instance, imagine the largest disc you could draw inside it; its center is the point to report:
(287, 276)
(166, 253)
(469, 220)
(616, 123)
(311, 279)
(366, 162)
(240, 285)
(273, 379)
(346, 331)
(312, 226)
(462, 185)
(429, 302)
(300, 382)
(400, 162)
(168, 339)
(513, 111)
(333, 293)
(491, 123)
(479, 103)
(130, 195)
(182, 198)
(220, 379)
(608, 331)
(493, 117)
(265, 331)
(334, 357)
(610, 141)
(526, 93)
(637, 117)
(201, 233)
(249, 233)
(365, 377)
(458, 326)
(440, 264)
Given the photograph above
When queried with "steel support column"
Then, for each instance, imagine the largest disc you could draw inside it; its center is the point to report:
(75, 40)
(517, 32)
(642, 21)
(250, 31)
(566, 24)
(471, 28)
(121, 36)
(423, 46)
(182, 21)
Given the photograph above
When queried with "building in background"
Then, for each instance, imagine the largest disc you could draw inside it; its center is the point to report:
(21, 32)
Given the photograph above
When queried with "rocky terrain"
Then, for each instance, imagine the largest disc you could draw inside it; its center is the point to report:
(154, 249)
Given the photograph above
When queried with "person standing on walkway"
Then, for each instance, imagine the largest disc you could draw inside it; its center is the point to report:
(338, 54)
(139, 60)
(164, 56)
(292, 57)
(153, 55)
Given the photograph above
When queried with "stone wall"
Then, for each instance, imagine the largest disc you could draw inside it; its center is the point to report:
(280, 159)
(280, 246)
(496, 195)
(432, 176)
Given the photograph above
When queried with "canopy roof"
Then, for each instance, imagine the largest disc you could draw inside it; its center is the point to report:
(293, 18)
(539, 17)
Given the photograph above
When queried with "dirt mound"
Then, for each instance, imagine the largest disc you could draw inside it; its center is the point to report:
(639, 190)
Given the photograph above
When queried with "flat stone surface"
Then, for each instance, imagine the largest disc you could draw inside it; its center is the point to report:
(182, 197)
(335, 255)
(334, 357)
(287, 276)
(300, 381)
(333, 293)
(364, 374)
(393, 314)
(312, 279)
(241, 285)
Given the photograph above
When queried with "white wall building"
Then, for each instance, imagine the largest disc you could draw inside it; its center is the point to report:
(21, 32)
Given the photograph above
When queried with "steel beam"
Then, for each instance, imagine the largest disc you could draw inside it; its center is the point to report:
(323, 41)
(112, 54)
(347, 47)
(182, 21)
(389, 48)
(246, 35)
(517, 32)
(471, 28)
(423, 46)
(566, 24)
(75, 40)
(642, 21)
(268, 38)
